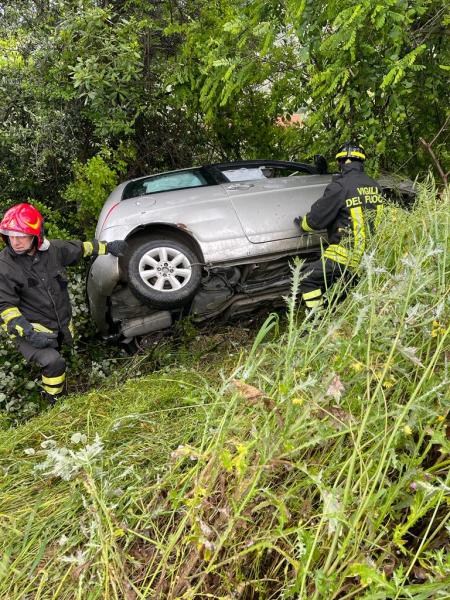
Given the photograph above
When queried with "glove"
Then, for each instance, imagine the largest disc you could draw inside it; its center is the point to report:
(116, 248)
(19, 326)
(40, 339)
(298, 222)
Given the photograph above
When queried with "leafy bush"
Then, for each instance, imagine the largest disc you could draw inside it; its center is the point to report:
(92, 183)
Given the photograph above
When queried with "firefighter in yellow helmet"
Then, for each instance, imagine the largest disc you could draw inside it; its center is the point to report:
(34, 300)
(351, 204)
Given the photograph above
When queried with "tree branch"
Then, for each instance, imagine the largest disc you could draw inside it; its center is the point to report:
(427, 146)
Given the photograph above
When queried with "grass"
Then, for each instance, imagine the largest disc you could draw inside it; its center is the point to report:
(308, 466)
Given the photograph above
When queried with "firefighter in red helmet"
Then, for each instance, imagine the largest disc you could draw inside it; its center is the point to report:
(351, 205)
(34, 301)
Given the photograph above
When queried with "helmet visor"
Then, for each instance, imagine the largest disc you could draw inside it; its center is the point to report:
(14, 233)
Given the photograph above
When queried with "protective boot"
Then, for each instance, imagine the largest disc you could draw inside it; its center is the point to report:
(54, 388)
(313, 300)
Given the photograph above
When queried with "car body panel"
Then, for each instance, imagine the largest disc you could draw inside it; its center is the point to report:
(266, 207)
(102, 278)
(234, 213)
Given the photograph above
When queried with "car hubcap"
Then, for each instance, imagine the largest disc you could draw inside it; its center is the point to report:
(165, 269)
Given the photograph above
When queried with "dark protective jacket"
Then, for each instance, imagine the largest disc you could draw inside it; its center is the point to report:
(351, 205)
(37, 285)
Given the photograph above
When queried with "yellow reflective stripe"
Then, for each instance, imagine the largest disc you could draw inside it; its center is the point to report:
(101, 248)
(42, 328)
(10, 313)
(337, 253)
(88, 249)
(54, 380)
(313, 294)
(350, 154)
(379, 214)
(359, 232)
(19, 330)
(313, 303)
(305, 225)
(337, 249)
(336, 258)
(53, 391)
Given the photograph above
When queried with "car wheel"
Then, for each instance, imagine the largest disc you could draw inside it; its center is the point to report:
(164, 273)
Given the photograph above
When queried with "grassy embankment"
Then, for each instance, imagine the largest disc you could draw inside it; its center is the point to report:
(328, 477)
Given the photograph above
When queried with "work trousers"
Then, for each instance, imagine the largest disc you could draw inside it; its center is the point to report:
(320, 276)
(52, 364)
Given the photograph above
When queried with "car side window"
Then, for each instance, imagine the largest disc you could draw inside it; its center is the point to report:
(243, 174)
(262, 172)
(164, 183)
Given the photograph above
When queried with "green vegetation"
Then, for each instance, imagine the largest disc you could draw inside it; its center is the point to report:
(308, 467)
(96, 90)
(312, 464)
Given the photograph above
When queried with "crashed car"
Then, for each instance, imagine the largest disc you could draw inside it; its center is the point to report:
(207, 241)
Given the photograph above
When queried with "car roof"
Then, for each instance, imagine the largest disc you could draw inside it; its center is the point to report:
(265, 163)
(313, 169)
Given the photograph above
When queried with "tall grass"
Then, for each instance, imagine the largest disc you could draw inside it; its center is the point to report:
(316, 467)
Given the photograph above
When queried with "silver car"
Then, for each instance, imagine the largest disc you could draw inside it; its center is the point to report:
(204, 241)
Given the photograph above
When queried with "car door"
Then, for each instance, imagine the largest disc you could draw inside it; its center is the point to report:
(266, 207)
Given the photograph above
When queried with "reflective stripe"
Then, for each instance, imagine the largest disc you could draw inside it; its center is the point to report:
(337, 253)
(10, 313)
(313, 303)
(102, 248)
(350, 154)
(88, 248)
(305, 225)
(359, 234)
(338, 249)
(19, 330)
(342, 255)
(42, 328)
(54, 380)
(314, 294)
(53, 391)
(336, 258)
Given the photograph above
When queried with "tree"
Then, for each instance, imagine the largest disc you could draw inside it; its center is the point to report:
(375, 72)
(81, 80)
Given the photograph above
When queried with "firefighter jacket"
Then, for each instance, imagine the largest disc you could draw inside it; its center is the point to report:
(351, 205)
(35, 287)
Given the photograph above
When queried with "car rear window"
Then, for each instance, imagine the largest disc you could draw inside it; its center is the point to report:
(164, 183)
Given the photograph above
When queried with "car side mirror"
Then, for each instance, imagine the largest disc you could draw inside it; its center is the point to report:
(321, 164)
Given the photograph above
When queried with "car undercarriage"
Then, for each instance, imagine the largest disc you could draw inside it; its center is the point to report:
(226, 292)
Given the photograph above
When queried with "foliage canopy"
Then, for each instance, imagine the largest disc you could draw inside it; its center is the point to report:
(177, 84)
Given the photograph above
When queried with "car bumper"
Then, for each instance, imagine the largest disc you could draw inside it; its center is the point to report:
(102, 278)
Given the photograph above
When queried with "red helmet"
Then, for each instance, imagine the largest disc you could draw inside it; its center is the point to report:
(23, 219)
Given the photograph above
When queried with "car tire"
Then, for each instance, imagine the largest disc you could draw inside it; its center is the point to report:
(165, 273)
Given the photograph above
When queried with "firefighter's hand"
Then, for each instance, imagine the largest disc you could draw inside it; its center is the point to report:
(116, 248)
(40, 339)
(298, 222)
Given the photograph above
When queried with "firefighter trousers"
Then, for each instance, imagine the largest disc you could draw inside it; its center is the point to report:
(321, 275)
(52, 364)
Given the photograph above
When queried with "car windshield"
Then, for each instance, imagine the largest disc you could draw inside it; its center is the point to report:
(164, 183)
